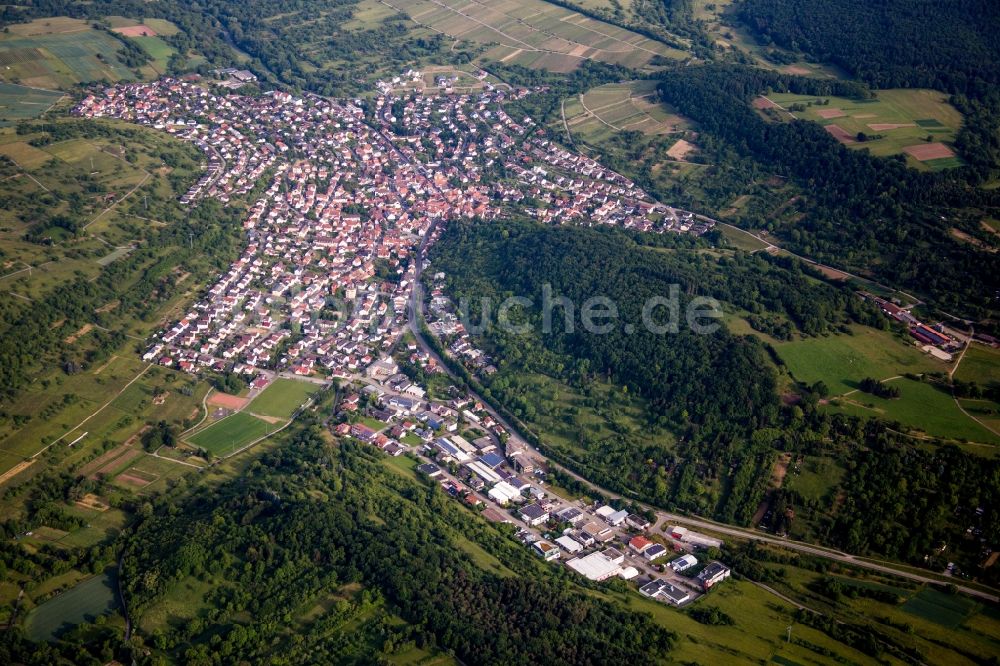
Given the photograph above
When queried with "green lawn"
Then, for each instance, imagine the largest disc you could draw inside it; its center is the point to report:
(157, 49)
(741, 240)
(232, 433)
(372, 423)
(282, 398)
(842, 361)
(815, 478)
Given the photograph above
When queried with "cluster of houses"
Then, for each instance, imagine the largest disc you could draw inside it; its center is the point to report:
(323, 283)
(601, 542)
(563, 186)
(443, 322)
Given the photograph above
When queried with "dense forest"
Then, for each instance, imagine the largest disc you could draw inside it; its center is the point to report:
(310, 519)
(952, 46)
(869, 214)
(901, 501)
(717, 391)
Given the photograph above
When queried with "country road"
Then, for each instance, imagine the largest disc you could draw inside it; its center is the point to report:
(416, 314)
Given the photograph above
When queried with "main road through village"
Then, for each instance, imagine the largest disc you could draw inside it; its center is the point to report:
(416, 314)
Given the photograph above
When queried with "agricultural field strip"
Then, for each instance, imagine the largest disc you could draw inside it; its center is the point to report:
(595, 112)
(526, 45)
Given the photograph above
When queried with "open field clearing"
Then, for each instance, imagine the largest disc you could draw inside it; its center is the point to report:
(622, 106)
(282, 397)
(981, 364)
(535, 33)
(58, 53)
(742, 240)
(927, 407)
(903, 119)
(842, 361)
(763, 618)
(231, 433)
(368, 14)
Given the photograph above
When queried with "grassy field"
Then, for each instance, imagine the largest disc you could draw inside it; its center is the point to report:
(742, 240)
(902, 117)
(231, 433)
(842, 361)
(84, 602)
(921, 405)
(757, 637)
(368, 14)
(535, 33)
(980, 364)
(282, 397)
(815, 477)
(157, 49)
(948, 610)
(58, 53)
(945, 629)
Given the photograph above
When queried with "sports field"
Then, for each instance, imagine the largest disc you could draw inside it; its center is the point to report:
(621, 106)
(58, 53)
(535, 33)
(903, 118)
(83, 603)
(232, 433)
(282, 398)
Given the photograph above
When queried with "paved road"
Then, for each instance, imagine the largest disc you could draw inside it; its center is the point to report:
(415, 316)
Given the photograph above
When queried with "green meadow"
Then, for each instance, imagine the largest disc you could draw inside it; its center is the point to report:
(842, 361)
(927, 407)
